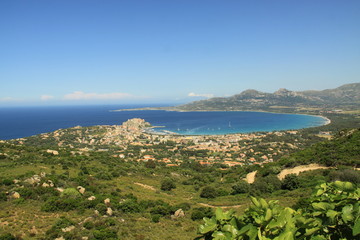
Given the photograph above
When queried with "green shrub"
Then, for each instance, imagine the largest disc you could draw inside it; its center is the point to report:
(89, 225)
(200, 213)
(104, 234)
(3, 196)
(102, 208)
(333, 213)
(240, 187)
(167, 185)
(70, 193)
(7, 182)
(7, 236)
(130, 206)
(290, 182)
(208, 192)
(155, 218)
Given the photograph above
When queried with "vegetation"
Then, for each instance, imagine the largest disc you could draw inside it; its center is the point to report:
(332, 212)
(126, 191)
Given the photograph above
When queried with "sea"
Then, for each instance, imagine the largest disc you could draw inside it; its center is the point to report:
(19, 122)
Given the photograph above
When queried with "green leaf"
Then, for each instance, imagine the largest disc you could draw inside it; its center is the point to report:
(219, 214)
(347, 213)
(356, 228)
(288, 235)
(230, 229)
(348, 186)
(311, 231)
(268, 214)
(209, 226)
(255, 201)
(221, 236)
(322, 206)
(332, 214)
(263, 203)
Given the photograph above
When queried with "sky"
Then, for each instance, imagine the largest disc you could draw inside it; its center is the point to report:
(66, 52)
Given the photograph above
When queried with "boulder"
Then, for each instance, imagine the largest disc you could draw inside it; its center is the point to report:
(178, 214)
(107, 201)
(68, 229)
(81, 189)
(109, 211)
(92, 198)
(15, 195)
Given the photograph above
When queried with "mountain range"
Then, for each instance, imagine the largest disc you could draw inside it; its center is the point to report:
(345, 97)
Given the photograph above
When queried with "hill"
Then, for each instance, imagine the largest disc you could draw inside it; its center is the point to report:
(119, 182)
(346, 97)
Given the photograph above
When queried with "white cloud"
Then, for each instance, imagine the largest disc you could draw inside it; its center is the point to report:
(207, 95)
(79, 95)
(8, 99)
(46, 97)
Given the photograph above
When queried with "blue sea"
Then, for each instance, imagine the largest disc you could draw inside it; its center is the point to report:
(17, 122)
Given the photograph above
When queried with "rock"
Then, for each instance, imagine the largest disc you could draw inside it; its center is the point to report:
(178, 214)
(59, 189)
(85, 238)
(16, 181)
(91, 198)
(15, 195)
(68, 229)
(81, 189)
(43, 174)
(33, 180)
(60, 238)
(96, 212)
(107, 201)
(53, 152)
(51, 183)
(45, 185)
(109, 211)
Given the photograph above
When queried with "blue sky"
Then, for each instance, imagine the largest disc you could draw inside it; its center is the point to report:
(63, 52)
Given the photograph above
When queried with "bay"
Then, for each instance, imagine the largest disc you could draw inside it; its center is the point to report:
(18, 122)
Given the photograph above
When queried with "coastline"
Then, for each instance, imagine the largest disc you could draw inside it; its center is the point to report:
(327, 121)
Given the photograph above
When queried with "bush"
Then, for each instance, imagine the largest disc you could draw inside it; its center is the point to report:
(332, 213)
(290, 182)
(3, 196)
(7, 182)
(70, 193)
(102, 208)
(104, 234)
(7, 236)
(130, 206)
(167, 185)
(155, 218)
(54, 204)
(240, 187)
(348, 175)
(208, 192)
(200, 213)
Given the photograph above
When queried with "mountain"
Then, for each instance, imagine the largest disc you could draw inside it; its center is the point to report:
(346, 97)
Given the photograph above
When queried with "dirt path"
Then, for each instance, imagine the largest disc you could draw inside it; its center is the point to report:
(250, 177)
(146, 186)
(212, 206)
(299, 169)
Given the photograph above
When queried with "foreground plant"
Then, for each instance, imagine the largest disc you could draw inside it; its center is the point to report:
(333, 212)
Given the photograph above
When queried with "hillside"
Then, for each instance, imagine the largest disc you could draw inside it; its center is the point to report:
(346, 97)
(120, 182)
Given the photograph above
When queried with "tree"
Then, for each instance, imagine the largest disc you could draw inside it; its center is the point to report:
(208, 192)
(167, 184)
